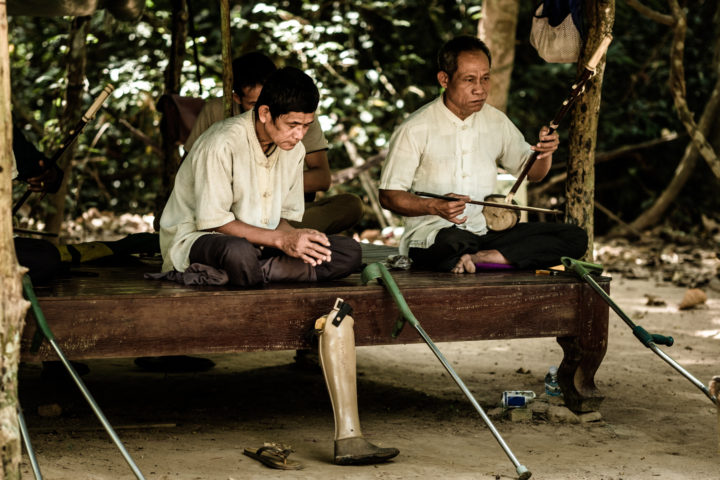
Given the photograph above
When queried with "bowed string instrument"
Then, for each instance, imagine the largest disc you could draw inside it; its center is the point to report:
(70, 138)
(503, 214)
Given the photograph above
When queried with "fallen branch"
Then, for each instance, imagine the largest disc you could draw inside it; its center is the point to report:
(618, 220)
(384, 218)
(684, 169)
(347, 174)
(605, 157)
(139, 134)
(677, 86)
(653, 15)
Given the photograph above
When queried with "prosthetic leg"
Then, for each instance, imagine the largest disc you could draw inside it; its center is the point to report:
(337, 357)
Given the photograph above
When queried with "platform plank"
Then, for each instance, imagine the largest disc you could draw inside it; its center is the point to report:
(113, 312)
(118, 313)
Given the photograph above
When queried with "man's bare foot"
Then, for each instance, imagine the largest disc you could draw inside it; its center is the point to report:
(466, 264)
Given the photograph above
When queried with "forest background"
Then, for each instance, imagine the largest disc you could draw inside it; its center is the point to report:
(374, 63)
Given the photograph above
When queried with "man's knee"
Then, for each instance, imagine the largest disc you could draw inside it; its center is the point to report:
(351, 207)
(577, 241)
(333, 214)
(40, 257)
(346, 259)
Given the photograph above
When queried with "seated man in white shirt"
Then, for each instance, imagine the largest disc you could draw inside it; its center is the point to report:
(455, 144)
(233, 198)
(330, 214)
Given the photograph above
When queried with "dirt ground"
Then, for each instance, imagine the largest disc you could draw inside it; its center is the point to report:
(655, 424)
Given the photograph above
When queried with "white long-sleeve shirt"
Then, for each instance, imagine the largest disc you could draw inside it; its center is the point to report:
(435, 151)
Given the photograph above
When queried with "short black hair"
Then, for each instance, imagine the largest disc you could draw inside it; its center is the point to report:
(288, 90)
(448, 55)
(251, 69)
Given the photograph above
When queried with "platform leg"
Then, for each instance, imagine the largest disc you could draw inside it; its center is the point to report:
(583, 355)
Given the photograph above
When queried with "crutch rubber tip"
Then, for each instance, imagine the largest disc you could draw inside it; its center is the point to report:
(523, 473)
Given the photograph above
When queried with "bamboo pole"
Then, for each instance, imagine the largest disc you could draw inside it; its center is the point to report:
(170, 159)
(226, 57)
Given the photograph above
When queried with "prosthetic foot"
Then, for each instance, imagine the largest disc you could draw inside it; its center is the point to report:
(337, 358)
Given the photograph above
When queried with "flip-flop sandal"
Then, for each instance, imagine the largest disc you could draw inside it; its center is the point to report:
(274, 456)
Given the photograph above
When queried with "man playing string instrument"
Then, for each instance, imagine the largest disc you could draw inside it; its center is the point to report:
(455, 144)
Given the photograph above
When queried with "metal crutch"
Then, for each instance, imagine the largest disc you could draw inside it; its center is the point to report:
(28, 446)
(650, 340)
(378, 271)
(42, 323)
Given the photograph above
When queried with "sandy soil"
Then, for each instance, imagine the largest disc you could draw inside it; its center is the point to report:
(655, 424)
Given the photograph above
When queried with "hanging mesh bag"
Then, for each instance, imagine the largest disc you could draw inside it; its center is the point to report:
(559, 44)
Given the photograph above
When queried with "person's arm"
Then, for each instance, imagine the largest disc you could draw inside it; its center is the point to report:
(32, 166)
(317, 177)
(207, 116)
(411, 205)
(49, 181)
(308, 245)
(545, 148)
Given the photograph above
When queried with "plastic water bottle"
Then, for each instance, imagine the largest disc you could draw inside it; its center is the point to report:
(551, 383)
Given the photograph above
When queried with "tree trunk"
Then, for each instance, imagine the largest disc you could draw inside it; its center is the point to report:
(76, 61)
(173, 76)
(12, 305)
(580, 185)
(497, 28)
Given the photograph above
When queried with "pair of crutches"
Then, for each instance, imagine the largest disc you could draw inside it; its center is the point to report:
(45, 331)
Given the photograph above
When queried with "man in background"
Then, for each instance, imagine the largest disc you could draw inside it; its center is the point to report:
(331, 214)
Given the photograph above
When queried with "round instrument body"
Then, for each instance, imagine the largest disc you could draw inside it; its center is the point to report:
(499, 219)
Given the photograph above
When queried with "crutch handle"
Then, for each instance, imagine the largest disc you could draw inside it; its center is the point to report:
(663, 340)
(648, 339)
(581, 268)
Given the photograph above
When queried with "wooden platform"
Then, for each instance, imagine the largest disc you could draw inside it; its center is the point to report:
(115, 312)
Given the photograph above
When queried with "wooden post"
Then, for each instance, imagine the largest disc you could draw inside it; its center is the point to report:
(76, 63)
(226, 57)
(173, 75)
(497, 28)
(12, 304)
(580, 185)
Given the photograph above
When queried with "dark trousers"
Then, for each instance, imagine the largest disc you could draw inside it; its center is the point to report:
(247, 265)
(526, 245)
(41, 257)
(332, 214)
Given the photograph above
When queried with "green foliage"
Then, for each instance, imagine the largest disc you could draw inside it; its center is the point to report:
(637, 106)
(374, 63)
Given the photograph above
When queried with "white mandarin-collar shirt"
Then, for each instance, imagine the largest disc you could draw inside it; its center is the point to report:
(435, 151)
(227, 177)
